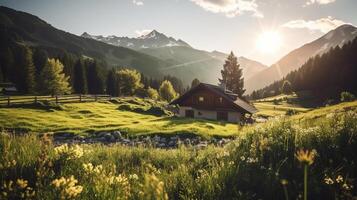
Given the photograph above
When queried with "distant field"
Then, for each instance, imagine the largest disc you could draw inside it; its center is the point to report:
(97, 116)
(280, 104)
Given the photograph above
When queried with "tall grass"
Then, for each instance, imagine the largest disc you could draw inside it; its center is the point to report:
(259, 164)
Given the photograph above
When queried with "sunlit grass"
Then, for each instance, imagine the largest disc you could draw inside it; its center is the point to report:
(101, 116)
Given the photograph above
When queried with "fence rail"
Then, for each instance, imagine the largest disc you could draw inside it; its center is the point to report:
(58, 99)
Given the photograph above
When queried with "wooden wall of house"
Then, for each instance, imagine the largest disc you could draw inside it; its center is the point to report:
(211, 101)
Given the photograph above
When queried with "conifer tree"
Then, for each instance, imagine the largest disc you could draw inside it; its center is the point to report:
(79, 79)
(286, 88)
(1, 76)
(6, 60)
(53, 79)
(28, 83)
(94, 78)
(112, 83)
(39, 60)
(232, 76)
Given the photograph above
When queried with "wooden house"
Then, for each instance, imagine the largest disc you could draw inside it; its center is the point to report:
(208, 101)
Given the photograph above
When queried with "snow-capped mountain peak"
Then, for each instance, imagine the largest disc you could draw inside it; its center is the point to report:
(154, 39)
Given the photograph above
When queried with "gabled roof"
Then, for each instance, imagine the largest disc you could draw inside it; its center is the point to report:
(226, 94)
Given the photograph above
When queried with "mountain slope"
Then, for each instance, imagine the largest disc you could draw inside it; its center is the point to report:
(153, 39)
(189, 63)
(18, 27)
(184, 61)
(298, 57)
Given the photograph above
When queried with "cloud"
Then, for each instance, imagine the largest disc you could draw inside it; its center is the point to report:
(138, 2)
(323, 24)
(230, 8)
(323, 2)
(143, 32)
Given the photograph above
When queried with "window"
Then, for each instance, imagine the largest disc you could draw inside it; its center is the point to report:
(189, 113)
(201, 99)
(222, 116)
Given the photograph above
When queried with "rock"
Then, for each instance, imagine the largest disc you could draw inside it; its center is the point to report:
(117, 135)
(187, 141)
(109, 138)
(102, 134)
(126, 141)
(201, 145)
(161, 145)
(172, 144)
(163, 140)
(157, 138)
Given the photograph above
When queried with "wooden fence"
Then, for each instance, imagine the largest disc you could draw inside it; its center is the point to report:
(58, 99)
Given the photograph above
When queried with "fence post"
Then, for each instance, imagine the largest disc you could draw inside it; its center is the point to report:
(80, 97)
(56, 99)
(35, 99)
(95, 97)
(110, 97)
(8, 100)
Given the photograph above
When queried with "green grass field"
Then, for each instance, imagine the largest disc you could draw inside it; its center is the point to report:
(280, 104)
(98, 116)
(261, 163)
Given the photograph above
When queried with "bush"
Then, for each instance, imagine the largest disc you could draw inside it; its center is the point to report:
(290, 112)
(346, 96)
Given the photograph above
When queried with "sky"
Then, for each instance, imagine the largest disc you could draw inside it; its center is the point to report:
(263, 30)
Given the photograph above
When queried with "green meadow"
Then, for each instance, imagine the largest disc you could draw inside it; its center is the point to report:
(127, 115)
(265, 161)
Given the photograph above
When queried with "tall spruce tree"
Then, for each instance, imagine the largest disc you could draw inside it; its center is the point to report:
(1, 76)
(53, 79)
(112, 83)
(79, 78)
(232, 76)
(39, 60)
(7, 60)
(94, 78)
(27, 82)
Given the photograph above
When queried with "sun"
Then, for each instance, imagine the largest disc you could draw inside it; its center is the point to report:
(269, 42)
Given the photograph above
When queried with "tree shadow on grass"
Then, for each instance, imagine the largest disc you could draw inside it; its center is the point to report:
(172, 121)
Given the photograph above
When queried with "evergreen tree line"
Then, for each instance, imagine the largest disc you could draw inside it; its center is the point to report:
(26, 68)
(325, 75)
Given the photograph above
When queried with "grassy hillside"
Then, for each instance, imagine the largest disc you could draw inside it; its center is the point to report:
(98, 116)
(262, 163)
(281, 104)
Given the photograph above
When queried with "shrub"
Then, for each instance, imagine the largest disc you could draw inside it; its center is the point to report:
(346, 96)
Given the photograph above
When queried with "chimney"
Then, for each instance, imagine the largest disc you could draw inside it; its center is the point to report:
(223, 86)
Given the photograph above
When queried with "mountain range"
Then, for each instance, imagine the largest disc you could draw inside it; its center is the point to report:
(184, 61)
(296, 58)
(153, 39)
(156, 54)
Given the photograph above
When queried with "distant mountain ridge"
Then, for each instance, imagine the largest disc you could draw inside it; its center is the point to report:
(154, 39)
(296, 58)
(185, 62)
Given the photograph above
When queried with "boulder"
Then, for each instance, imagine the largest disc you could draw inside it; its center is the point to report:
(117, 135)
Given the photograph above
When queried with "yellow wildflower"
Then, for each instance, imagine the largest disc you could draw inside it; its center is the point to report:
(339, 179)
(328, 181)
(284, 182)
(22, 183)
(306, 157)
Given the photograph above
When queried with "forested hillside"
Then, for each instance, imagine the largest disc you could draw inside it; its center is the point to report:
(326, 76)
(19, 30)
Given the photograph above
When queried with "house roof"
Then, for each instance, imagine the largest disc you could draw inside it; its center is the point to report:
(228, 95)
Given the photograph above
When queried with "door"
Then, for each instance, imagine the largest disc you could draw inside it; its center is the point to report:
(190, 113)
(222, 116)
